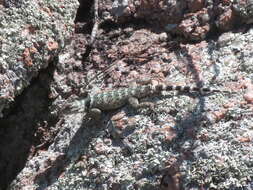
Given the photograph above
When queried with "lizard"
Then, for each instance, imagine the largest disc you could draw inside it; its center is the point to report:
(93, 105)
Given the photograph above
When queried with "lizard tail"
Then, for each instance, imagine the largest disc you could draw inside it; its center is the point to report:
(189, 89)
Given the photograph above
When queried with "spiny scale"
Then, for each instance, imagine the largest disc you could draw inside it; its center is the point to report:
(114, 99)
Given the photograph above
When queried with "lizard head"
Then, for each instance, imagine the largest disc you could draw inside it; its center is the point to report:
(81, 105)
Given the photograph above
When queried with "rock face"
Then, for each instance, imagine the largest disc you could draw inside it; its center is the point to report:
(187, 141)
(32, 33)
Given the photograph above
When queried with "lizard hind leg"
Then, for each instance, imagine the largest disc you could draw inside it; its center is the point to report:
(134, 102)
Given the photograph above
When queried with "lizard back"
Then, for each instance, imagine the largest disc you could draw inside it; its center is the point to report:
(116, 98)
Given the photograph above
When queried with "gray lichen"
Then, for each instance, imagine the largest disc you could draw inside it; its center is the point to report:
(31, 35)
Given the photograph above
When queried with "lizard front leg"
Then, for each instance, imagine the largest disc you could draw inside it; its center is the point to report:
(95, 114)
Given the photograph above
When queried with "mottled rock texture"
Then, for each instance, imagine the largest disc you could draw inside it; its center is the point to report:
(32, 33)
(188, 141)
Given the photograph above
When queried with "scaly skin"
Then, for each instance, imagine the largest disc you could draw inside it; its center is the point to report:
(117, 98)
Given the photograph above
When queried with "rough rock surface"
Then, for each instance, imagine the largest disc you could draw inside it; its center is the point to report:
(32, 33)
(189, 141)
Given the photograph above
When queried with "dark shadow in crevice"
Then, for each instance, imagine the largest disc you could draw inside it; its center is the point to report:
(19, 127)
(85, 16)
(84, 12)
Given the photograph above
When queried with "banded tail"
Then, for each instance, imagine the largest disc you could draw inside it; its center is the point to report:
(189, 89)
